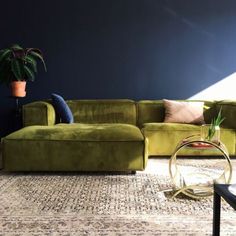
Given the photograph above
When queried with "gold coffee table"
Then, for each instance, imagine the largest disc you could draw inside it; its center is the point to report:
(200, 189)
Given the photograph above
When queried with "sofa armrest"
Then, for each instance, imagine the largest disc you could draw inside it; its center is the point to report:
(228, 112)
(38, 113)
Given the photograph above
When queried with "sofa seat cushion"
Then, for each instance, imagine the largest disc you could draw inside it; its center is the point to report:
(171, 127)
(164, 137)
(80, 132)
(103, 132)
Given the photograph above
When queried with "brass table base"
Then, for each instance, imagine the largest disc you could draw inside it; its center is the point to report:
(198, 191)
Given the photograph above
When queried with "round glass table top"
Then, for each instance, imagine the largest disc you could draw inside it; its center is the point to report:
(232, 189)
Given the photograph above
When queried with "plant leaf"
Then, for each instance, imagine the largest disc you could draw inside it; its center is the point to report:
(219, 118)
(16, 47)
(4, 53)
(29, 73)
(39, 56)
(216, 121)
(32, 62)
(28, 50)
(17, 69)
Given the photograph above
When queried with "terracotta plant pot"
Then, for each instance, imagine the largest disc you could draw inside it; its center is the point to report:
(18, 88)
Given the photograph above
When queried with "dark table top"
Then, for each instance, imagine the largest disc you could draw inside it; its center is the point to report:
(222, 190)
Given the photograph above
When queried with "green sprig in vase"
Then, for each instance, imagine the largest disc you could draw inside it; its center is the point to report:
(213, 134)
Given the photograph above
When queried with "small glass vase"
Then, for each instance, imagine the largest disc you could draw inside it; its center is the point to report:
(210, 133)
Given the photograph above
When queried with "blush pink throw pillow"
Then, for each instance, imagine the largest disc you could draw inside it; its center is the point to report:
(183, 112)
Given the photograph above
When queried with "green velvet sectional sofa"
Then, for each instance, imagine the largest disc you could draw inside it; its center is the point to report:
(108, 135)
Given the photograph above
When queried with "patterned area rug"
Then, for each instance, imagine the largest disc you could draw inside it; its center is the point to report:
(103, 204)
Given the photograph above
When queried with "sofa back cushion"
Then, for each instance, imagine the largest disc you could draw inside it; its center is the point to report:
(228, 111)
(103, 111)
(151, 111)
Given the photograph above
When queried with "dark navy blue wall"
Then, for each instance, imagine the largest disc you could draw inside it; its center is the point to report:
(139, 49)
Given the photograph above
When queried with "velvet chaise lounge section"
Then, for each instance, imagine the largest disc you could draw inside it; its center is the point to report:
(75, 147)
(104, 138)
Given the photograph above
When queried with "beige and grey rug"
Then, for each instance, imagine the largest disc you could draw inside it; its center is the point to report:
(104, 204)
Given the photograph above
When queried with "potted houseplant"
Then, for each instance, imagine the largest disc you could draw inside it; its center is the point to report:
(17, 66)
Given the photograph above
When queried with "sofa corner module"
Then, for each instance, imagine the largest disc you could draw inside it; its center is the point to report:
(38, 113)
